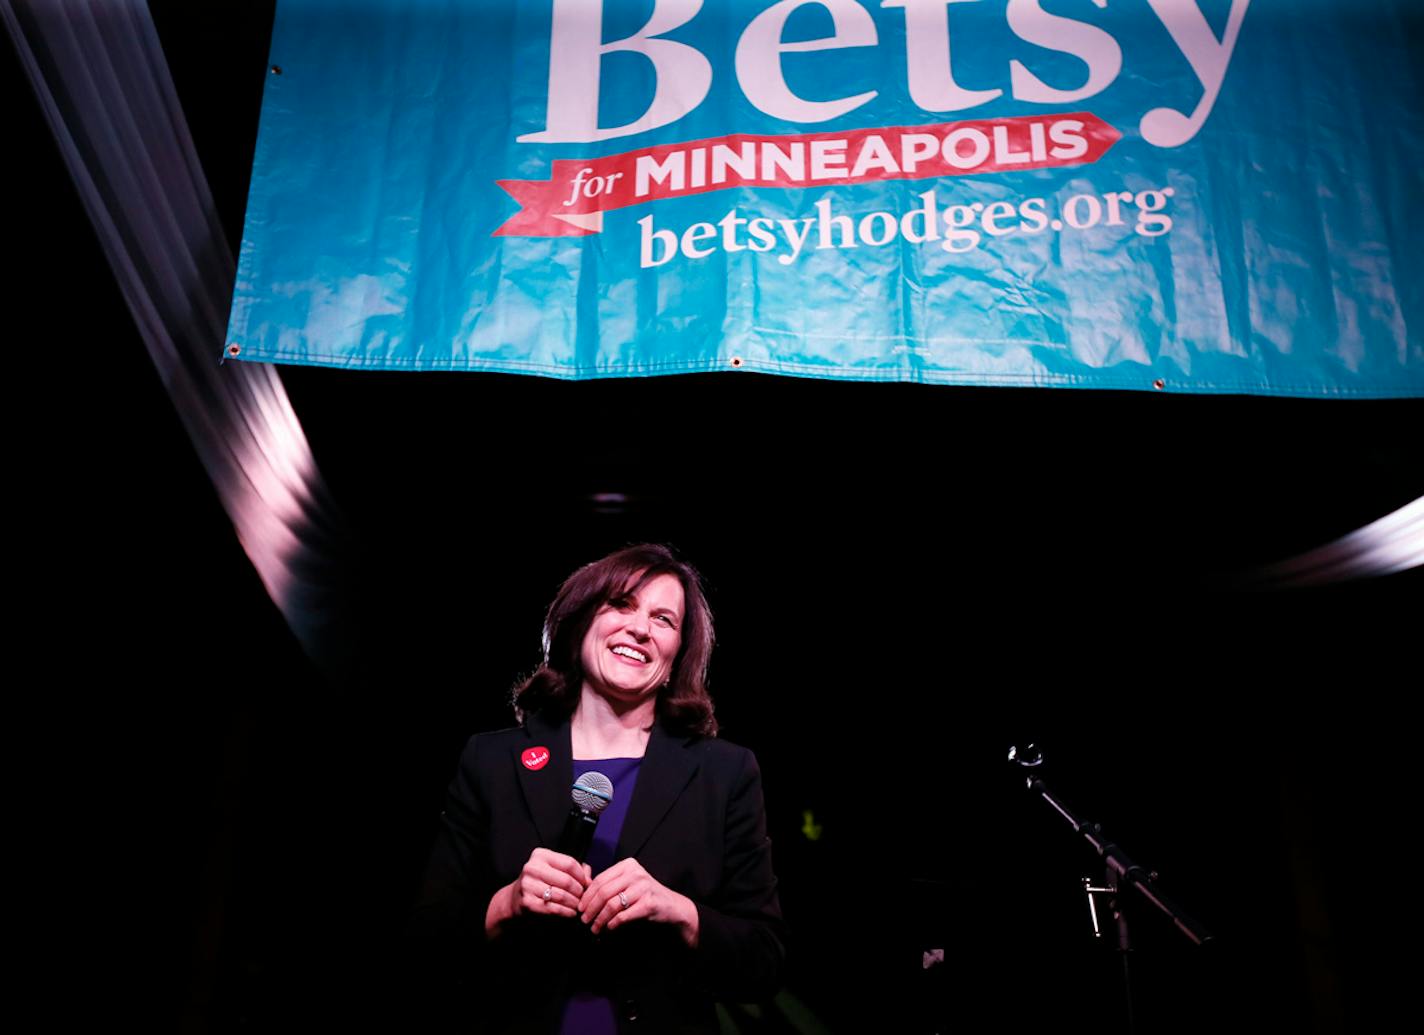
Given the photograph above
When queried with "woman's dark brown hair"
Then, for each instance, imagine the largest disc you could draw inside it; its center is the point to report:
(684, 706)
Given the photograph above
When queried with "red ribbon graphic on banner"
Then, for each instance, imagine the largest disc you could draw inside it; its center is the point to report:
(572, 201)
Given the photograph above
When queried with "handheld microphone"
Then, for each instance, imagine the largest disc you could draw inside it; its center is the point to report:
(591, 794)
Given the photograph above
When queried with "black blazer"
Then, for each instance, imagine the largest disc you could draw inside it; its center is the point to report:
(696, 823)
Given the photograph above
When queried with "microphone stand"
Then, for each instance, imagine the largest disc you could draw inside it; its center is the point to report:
(1121, 873)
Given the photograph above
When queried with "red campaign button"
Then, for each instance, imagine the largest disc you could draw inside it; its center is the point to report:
(535, 758)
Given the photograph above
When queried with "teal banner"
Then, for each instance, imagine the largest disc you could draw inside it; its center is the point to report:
(1169, 195)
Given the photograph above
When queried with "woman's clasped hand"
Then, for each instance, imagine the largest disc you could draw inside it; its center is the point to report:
(560, 885)
(625, 891)
(549, 883)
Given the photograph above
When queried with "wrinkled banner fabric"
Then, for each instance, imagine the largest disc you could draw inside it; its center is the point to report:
(1176, 195)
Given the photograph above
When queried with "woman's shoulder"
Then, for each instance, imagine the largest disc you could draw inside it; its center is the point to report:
(720, 747)
(491, 737)
(489, 740)
(485, 747)
(725, 756)
(535, 729)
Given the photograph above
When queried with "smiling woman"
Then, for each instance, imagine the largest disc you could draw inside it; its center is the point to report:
(630, 645)
(674, 904)
(633, 598)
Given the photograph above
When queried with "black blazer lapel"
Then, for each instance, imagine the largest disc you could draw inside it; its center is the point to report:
(546, 790)
(669, 765)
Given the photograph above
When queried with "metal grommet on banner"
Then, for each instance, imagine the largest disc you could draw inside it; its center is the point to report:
(737, 361)
(1159, 384)
(234, 349)
(276, 69)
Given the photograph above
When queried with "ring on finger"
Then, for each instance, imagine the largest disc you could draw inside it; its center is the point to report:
(623, 899)
(548, 892)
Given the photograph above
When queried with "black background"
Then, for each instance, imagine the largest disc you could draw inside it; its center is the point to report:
(907, 579)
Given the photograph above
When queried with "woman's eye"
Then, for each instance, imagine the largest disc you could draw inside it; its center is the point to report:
(667, 620)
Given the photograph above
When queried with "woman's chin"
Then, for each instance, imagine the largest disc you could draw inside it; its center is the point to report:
(624, 697)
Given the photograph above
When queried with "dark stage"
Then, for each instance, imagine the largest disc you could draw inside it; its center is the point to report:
(907, 579)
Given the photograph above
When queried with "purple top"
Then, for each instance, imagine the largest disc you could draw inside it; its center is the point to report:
(624, 774)
(586, 1013)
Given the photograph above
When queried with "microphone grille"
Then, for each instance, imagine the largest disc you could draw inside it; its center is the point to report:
(592, 792)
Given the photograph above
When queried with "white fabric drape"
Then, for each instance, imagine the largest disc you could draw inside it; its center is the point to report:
(1392, 544)
(101, 78)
